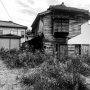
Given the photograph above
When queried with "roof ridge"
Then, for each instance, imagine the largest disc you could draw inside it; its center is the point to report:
(12, 24)
(62, 5)
(18, 24)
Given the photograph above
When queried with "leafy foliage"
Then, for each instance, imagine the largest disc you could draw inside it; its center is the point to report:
(20, 59)
(49, 73)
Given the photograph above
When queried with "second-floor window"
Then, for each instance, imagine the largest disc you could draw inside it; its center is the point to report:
(22, 33)
(1, 32)
(61, 25)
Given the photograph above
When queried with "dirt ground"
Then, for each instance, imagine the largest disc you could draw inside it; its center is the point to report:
(9, 78)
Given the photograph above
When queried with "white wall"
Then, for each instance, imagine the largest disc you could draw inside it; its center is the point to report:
(9, 30)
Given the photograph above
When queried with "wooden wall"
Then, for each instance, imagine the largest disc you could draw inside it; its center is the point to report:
(74, 28)
(45, 25)
(49, 39)
(47, 28)
(78, 49)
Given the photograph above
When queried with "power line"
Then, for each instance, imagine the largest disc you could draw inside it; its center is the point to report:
(6, 10)
(21, 19)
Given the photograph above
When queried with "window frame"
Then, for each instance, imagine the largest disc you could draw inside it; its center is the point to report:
(61, 25)
(22, 34)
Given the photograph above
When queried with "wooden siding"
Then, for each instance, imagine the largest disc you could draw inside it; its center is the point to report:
(61, 25)
(78, 49)
(61, 50)
(48, 47)
(74, 28)
(47, 28)
(71, 49)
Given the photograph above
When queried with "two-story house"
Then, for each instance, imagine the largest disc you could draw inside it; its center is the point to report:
(12, 35)
(58, 24)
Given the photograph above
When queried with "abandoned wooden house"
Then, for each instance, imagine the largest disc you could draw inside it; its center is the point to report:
(58, 24)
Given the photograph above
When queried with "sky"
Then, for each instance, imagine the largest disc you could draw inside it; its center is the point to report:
(24, 11)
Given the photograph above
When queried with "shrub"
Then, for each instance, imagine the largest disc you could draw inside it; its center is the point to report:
(49, 77)
(17, 59)
(50, 73)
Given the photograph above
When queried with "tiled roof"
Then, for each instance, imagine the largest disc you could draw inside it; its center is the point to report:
(63, 7)
(11, 24)
(10, 36)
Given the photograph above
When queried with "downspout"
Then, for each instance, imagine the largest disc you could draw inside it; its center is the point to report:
(9, 43)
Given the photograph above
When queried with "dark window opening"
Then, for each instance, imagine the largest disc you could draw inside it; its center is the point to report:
(22, 33)
(61, 25)
(1, 32)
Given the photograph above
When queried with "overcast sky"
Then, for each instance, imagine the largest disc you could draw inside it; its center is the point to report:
(25, 11)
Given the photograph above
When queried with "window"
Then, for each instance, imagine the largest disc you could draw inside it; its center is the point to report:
(1, 32)
(78, 49)
(22, 33)
(14, 32)
(61, 25)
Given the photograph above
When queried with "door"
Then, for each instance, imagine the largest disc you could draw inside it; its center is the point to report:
(61, 50)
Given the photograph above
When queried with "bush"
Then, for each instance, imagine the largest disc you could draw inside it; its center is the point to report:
(49, 72)
(18, 59)
(48, 77)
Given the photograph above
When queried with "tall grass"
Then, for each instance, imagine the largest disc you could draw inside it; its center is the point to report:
(20, 59)
(49, 73)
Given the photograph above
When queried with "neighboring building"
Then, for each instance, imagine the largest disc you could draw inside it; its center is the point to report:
(9, 41)
(29, 35)
(58, 24)
(9, 27)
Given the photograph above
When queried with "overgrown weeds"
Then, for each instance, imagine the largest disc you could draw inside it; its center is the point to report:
(20, 59)
(49, 73)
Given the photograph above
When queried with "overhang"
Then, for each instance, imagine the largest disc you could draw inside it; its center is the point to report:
(11, 36)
